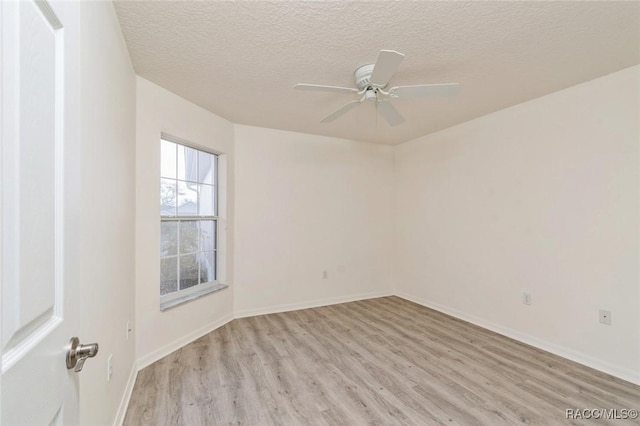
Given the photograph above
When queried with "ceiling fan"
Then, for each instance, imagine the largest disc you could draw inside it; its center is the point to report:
(371, 83)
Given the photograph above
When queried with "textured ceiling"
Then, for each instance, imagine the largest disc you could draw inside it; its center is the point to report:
(240, 60)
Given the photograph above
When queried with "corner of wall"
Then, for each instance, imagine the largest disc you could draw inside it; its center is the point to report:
(540, 197)
(107, 126)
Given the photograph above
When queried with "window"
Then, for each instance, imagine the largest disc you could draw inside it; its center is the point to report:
(188, 222)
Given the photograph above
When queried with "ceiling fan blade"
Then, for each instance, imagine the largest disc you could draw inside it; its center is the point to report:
(424, 90)
(386, 65)
(321, 88)
(390, 113)
(342, 110)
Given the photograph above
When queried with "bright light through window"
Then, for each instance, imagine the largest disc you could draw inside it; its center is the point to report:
(189, 218)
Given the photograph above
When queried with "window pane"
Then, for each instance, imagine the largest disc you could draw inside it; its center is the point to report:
(168, 238)
(206, 200)
(188, 271)
(206, 167)
(187, 199)
(207, 235)
(167, 197)
(187, 188)
(187, 163)
(168, 152)
(207, 261)
(168, 275)
(188, 236)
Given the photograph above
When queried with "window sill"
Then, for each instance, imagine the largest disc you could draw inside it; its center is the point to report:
(184, 299)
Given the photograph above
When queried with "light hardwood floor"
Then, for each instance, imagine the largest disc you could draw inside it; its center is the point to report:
(382, 361)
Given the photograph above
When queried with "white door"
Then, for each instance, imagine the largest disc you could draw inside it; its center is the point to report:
(39, 122)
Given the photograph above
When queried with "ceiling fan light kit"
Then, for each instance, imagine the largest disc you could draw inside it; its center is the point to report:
(372, 79)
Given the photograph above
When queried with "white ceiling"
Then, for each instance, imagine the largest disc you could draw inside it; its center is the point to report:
(240, 60)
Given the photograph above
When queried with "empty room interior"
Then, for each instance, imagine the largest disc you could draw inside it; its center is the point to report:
(320, 213)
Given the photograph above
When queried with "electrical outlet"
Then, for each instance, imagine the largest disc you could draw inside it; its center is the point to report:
(605, 317)
(526, 298)
(325, 274)
(109, 367)
(128, 329)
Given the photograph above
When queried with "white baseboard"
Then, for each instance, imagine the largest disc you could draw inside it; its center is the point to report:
(622, 373)
(126, 396)
(243, 313)
(165, 350)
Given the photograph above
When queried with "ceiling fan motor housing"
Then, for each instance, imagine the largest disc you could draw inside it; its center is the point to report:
(363, 76)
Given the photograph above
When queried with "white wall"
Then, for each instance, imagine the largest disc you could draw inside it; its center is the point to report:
(540, 197)
(106, 224)
(306, 204)
(160, 332)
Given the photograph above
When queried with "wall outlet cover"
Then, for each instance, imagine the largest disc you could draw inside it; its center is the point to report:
(109, 367)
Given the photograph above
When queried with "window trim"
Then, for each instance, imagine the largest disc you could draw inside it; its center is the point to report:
(178, 297)
(186, 295)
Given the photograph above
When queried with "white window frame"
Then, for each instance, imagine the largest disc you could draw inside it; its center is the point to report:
(181, 296)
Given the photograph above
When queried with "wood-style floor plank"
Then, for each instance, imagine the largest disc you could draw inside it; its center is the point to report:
(383, 361)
